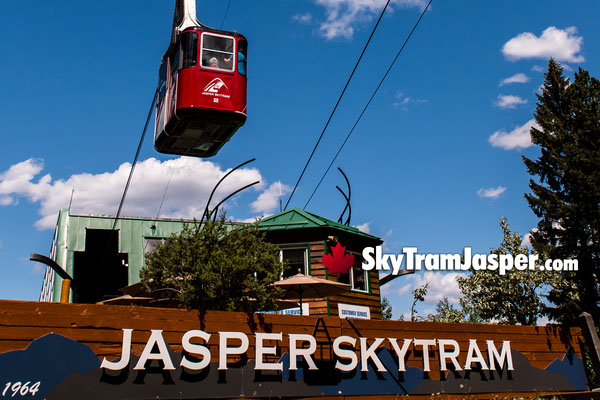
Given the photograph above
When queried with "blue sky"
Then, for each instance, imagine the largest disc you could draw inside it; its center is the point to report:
(434, 163)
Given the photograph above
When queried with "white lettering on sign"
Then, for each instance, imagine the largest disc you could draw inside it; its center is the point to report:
(374, 258)
(224, 350)
(504, 354)
(353, 311)
(344, 347)
(473, 348)
(156, 339)
(192, 348)
(400, 352)
(261, 350)
(125, 352)
(295, 351)
(21, 389)
(425, 343)
(345, 353)
(451, 355)
(369, 352)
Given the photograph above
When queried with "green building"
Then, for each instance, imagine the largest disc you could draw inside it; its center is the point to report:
(103, 260)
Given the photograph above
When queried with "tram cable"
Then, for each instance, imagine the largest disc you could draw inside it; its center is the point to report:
(166, 188)
(135, 160)
(368, 103)
(336, 105)
(225, 15)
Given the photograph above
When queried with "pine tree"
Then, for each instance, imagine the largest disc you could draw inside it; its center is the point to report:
(566, 196)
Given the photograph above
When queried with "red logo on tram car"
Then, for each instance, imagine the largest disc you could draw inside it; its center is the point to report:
(215, 85)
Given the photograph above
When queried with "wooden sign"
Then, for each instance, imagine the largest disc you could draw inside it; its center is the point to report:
(74, 351)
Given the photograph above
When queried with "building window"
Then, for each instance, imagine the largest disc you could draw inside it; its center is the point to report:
(359, 276)
(296, 259)
(356, 276)
(151, 244)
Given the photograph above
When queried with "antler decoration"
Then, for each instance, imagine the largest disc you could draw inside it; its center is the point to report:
(347, 198)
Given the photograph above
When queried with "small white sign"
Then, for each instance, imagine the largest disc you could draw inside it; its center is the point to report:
(291, 311)
(353, 311)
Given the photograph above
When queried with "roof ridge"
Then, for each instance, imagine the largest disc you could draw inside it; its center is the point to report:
(310, 218)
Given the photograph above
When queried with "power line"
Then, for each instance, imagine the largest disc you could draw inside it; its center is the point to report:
(336, 105)
(368, 103)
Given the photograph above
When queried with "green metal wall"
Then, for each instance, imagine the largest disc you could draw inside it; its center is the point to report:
(71, 231)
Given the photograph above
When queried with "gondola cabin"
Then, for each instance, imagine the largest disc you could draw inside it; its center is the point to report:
(201, 93)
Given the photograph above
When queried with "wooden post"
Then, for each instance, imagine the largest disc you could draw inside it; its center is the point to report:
(590, 336)
(65, 290)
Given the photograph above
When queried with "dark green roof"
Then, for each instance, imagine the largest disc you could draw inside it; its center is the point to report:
(296, 218)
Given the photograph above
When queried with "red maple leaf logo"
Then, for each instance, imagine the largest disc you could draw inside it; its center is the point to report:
(338, 261)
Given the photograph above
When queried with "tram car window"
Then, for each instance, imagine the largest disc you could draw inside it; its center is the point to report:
(189, 49)
(241, 54)
(162, 81)
(217, 52)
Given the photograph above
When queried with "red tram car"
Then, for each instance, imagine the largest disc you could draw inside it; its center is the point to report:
(202, 92)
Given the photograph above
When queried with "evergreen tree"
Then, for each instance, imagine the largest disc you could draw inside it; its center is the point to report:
(566, 195)
(215, 266)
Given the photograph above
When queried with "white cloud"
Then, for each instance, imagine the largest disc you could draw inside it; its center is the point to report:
(387, 238)
(385, 289)
(518, 138)
(543, 321)
(398, 286)
(540, 89)
(405, 316)
(404, 101)
(38, 268)
(538, 68)
(509, 101)
(560, 44)
(343, 15)
(191, 183)
(303, 18)
(567, 67)
(7, 200)
(526, 243)
(268, 201)
(491, 193)
(404, 289)
(441, 284)
(516, 78)
(364, 227)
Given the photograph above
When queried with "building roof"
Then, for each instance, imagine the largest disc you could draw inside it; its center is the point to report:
(296, 218)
